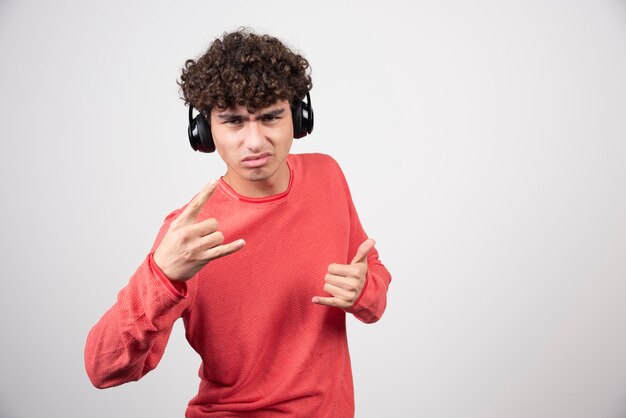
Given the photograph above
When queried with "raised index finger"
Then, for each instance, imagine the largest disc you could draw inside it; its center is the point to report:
(190, 213)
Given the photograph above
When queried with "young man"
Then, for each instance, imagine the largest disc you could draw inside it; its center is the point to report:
(262, 265)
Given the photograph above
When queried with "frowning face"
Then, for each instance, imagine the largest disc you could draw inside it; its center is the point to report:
(254, 147)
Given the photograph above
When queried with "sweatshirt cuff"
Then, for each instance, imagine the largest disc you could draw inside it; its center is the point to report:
(177, 289)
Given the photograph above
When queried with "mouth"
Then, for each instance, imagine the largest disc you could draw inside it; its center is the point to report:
(256, 160)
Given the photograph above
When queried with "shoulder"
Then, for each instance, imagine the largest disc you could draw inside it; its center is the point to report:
(320, 171)
(314, 162)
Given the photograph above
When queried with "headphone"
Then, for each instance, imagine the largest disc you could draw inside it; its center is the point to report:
(201, 139)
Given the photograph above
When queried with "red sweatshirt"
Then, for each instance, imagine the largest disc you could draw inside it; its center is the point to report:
(266, 349)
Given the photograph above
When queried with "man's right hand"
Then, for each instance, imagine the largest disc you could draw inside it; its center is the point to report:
(188, 245)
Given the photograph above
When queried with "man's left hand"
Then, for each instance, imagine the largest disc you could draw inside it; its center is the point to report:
(345, 282)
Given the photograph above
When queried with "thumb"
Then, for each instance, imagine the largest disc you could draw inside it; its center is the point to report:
(364, 249)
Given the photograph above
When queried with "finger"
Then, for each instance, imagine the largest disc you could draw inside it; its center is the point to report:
(339, 292)
(334, 302)
(222, 250)
(345, 270)
(190, 213)
(204, 227)
(343, 282)
(210, 241)
(364, 249)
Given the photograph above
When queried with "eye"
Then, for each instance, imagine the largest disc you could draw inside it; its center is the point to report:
(233, 121)
(269, 118)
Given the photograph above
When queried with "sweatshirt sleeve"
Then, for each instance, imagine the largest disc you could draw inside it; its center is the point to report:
(130, 338)
(372, 301)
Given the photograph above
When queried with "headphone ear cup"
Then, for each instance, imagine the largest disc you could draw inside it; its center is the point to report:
(296, 115)
(200, 137)
(302, 115)
(307, 114)
(205, 135)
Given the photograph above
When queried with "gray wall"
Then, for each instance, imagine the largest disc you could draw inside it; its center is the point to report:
(484, 143)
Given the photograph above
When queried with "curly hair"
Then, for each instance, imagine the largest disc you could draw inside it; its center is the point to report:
(244, 69)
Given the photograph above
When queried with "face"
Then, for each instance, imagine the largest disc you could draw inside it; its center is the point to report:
(254, 147)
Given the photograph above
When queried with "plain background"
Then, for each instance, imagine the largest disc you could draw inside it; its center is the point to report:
(484, 143)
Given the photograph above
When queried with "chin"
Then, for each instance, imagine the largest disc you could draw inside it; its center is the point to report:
(259, 175)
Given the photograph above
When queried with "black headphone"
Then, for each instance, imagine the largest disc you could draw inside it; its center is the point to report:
(201, 139)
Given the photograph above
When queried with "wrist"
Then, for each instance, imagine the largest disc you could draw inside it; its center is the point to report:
(178, 288)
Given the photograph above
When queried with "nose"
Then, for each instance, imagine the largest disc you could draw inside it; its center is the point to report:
(254, 136)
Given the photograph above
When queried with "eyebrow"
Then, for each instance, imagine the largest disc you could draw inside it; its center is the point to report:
(229, 116)
(274, 112)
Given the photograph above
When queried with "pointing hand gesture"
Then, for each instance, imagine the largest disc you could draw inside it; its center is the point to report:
(346, 281)
(188, 245)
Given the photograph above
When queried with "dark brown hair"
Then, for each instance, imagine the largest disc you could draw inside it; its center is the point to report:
(244, 69)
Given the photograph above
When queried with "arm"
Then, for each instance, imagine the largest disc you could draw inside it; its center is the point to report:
(130, 338)
(361, 286)
(372, 299)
